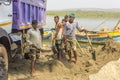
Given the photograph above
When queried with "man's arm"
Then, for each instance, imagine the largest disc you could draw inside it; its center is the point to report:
(57, 30)
(79, 29)
(64, 33)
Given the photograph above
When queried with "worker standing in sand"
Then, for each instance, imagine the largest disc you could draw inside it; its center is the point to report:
(58, 38)
(34, 40)
(56, 20)
(69, 36)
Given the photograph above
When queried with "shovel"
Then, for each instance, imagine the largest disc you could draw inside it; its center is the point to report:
(93, 50)
(82, 51)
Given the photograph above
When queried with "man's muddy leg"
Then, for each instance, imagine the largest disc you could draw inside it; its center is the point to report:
(33, 68)
(70, 56)
(75, 56)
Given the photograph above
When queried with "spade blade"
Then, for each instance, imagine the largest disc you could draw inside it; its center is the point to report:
(94, 55)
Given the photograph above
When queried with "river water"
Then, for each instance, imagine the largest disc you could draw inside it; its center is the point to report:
(88, 23)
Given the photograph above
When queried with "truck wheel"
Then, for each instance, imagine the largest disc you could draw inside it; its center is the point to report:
(3, 63)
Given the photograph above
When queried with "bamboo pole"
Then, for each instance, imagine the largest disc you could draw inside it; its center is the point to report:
(99, 24)
(116, 26)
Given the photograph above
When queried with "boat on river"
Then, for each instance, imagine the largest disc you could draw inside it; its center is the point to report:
(100, 37)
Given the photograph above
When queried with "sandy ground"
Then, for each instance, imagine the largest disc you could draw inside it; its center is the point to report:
(49, 68)
(111, 71)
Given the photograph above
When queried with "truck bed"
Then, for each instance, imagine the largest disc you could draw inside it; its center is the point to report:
(24, 11)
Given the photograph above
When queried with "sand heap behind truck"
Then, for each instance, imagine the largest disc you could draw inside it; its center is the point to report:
(18, 15)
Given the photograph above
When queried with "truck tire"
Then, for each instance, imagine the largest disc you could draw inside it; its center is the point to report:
(3, 63)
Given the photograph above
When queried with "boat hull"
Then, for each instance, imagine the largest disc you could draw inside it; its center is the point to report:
(47, 34)
(98, 38)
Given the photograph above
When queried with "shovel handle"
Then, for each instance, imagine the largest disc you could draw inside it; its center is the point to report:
(89, 41)
(93, 51)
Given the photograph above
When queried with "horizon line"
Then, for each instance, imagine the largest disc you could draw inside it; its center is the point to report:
(81, 8)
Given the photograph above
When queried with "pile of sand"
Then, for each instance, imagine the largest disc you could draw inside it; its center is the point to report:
(49, 68)
(110, 71)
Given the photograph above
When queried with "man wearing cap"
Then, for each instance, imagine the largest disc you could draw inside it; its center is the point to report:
(69, 36)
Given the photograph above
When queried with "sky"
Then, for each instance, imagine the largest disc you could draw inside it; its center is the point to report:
(70, 4)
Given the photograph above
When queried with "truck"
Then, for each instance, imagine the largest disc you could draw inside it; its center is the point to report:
(15, 18)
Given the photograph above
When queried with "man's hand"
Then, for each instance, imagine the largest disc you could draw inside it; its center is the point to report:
(84, 30)
(33, 45)
(64, 41)
(52, 28)
(53, 41)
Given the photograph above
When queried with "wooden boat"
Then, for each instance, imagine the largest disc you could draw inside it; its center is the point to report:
(47, 34)
(98, 37)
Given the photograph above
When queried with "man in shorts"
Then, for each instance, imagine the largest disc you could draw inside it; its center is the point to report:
(34, 40)
(58, 38)
(69, 36)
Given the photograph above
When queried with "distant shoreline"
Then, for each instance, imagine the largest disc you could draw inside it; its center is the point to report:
(86, 14)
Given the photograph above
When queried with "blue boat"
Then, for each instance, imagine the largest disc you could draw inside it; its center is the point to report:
(98, 37)
(47, 34)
